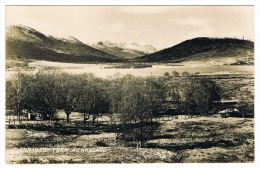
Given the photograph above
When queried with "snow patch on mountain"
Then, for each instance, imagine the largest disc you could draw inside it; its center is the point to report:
(67, 39)
(129, 47)
(22, 31)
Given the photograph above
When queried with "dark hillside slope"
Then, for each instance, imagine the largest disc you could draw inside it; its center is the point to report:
(26, 43)
(203, 49)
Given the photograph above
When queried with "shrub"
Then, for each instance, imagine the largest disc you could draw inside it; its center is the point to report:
(175, 74)
(102, 143)
(185, 73)
(166, 74)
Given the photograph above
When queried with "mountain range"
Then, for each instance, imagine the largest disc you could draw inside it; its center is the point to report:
(23, 42)
(123, 49)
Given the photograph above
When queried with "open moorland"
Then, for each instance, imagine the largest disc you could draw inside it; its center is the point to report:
(202, 139)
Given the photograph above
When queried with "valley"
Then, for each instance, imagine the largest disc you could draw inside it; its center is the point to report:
(205, 137)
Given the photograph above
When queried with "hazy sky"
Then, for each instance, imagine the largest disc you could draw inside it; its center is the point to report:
(161, 26)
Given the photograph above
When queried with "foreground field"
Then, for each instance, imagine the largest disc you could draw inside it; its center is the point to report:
(202, 140)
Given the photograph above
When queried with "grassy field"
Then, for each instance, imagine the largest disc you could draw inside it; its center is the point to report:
(196, 140)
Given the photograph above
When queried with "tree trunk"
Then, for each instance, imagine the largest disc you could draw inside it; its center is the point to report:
(68, 117)
(93, 120)
(50, 116)
(84, 120)
(19, 116)
(141, 145)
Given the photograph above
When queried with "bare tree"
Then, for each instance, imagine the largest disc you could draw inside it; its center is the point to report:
(246, 103)
(16, 93)
(100, 99)
(85, 102)
(43, 94)
(92, 98)
(198, 95)
(138, 101)
(69, 92)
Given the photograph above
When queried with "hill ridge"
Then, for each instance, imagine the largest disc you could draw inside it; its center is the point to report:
(23, 42)
(202, 48)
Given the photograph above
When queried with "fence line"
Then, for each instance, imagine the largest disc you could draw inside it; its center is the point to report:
(11, 120)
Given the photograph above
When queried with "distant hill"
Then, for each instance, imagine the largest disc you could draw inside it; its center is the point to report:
(126, 50)
(206, 49)
(23, 42)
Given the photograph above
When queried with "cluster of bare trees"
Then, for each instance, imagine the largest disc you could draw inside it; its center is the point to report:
(134, 100)
(48, 91)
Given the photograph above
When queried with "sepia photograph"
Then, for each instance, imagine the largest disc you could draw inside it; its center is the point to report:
(129, 84)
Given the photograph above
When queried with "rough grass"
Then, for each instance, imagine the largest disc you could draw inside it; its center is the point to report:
(203, 140)
(206, 139)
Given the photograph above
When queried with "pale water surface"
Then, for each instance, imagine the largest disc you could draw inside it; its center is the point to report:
(101, 70)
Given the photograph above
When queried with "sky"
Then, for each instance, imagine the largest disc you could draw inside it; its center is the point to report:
(160, 26)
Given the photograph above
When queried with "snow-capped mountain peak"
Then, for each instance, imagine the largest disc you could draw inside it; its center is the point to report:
(69, 39)
(134, 45)
(125, 49)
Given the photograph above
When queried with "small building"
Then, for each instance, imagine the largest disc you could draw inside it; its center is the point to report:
(230, 112)
(224, 104)
(32, 116)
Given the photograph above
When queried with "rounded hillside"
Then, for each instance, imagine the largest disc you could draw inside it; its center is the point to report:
(203, 48)
(23, 42)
